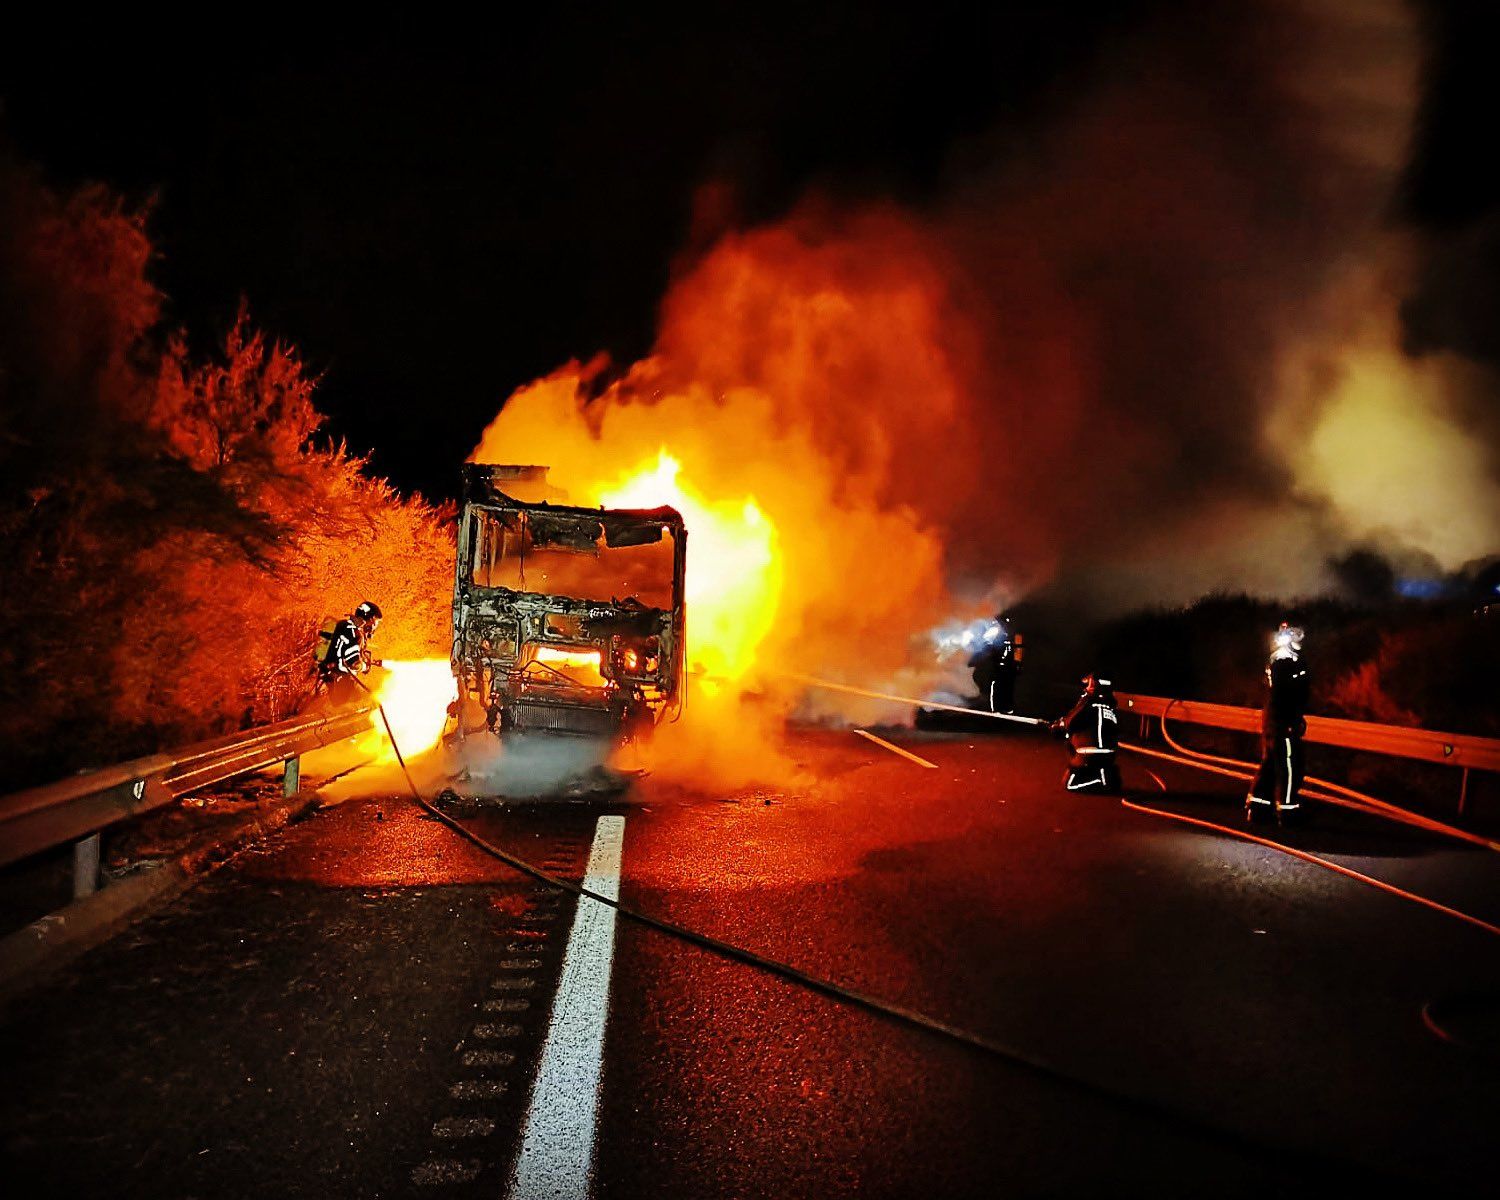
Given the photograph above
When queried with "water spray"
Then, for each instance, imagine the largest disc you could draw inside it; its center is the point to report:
(811, 681)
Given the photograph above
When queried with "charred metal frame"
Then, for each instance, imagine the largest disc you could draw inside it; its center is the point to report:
(498, 631)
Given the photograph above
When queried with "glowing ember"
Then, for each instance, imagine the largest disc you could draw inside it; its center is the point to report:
(415, 696)
(580, 666)
(734, 572)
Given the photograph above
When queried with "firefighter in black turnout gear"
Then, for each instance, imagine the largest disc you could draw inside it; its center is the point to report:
(343, 650)
(1283, 722)
(995, 665)
(1092, 728)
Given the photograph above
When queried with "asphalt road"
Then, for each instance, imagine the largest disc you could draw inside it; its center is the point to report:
(364, 1005)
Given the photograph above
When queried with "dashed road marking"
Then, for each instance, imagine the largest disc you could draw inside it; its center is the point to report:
(445, 1170)
(489, 1033)
(520, 964)
(895, 749)
(506, 1004)
(516, 983)
(557, 1147)
(463, 1127)
(488, 1058)
(477, 1089)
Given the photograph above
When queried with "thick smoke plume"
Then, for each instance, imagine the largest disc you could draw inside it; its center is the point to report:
(1206, 238)
(1143, 349)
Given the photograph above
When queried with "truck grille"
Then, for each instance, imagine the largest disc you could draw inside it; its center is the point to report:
(536, 717)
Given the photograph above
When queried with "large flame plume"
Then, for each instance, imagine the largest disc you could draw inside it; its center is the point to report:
(772, 417)
(734, 578)
(415, 695)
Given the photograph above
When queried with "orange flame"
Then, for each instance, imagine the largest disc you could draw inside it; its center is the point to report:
(802, 391)
(415, 695)
(734, 572)
(581, 666)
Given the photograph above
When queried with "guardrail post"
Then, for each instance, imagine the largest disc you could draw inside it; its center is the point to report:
(291, 775)
(86, 867)
(1463, 792)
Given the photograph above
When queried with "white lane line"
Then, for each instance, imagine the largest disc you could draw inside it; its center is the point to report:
(557, 1147)
(894, 749)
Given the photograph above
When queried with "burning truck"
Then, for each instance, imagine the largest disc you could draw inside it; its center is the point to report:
(566, 620)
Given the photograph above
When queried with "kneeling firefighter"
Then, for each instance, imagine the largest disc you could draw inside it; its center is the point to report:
(1092, 729)
(1283, 722)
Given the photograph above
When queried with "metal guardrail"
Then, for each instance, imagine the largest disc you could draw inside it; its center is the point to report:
(1460, 750)
(76, 809)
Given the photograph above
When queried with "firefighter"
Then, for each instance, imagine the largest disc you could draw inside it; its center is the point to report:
(1283, 722)
(1092, 729)
(343, 651)
(995, 665)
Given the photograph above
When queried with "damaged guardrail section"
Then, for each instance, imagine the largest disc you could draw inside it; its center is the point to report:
(1460, 750)
(76, 809)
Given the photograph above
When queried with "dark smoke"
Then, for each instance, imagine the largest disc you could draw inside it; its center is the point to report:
(1146, 346)
(1163, 240)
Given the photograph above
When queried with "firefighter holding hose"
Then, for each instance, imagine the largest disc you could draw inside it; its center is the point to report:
(1092, 729)
(995, 665)
(343, 650)
(1283, 722)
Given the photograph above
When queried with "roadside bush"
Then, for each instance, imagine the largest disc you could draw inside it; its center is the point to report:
(172, 528)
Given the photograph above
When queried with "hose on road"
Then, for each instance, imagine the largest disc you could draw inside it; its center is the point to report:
(1321, 789)
(1316, 860)
(1377, 808)
(1296, 1157)
(1232, 767)
(1435, 1015)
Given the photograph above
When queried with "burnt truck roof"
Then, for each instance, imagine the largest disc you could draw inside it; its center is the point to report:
(484, 484)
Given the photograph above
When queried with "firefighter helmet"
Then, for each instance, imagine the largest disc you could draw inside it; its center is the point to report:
(368, 611)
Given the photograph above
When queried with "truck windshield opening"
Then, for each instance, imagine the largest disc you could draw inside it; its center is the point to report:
(606, 558)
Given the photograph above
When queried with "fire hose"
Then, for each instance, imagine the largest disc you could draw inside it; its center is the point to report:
(1233, 767)
(811, 681)
(1346, 797)
(1357, 801)
(1032, 1065)
(1241, 770)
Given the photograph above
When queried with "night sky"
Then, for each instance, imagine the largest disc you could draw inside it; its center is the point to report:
(438, 215)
